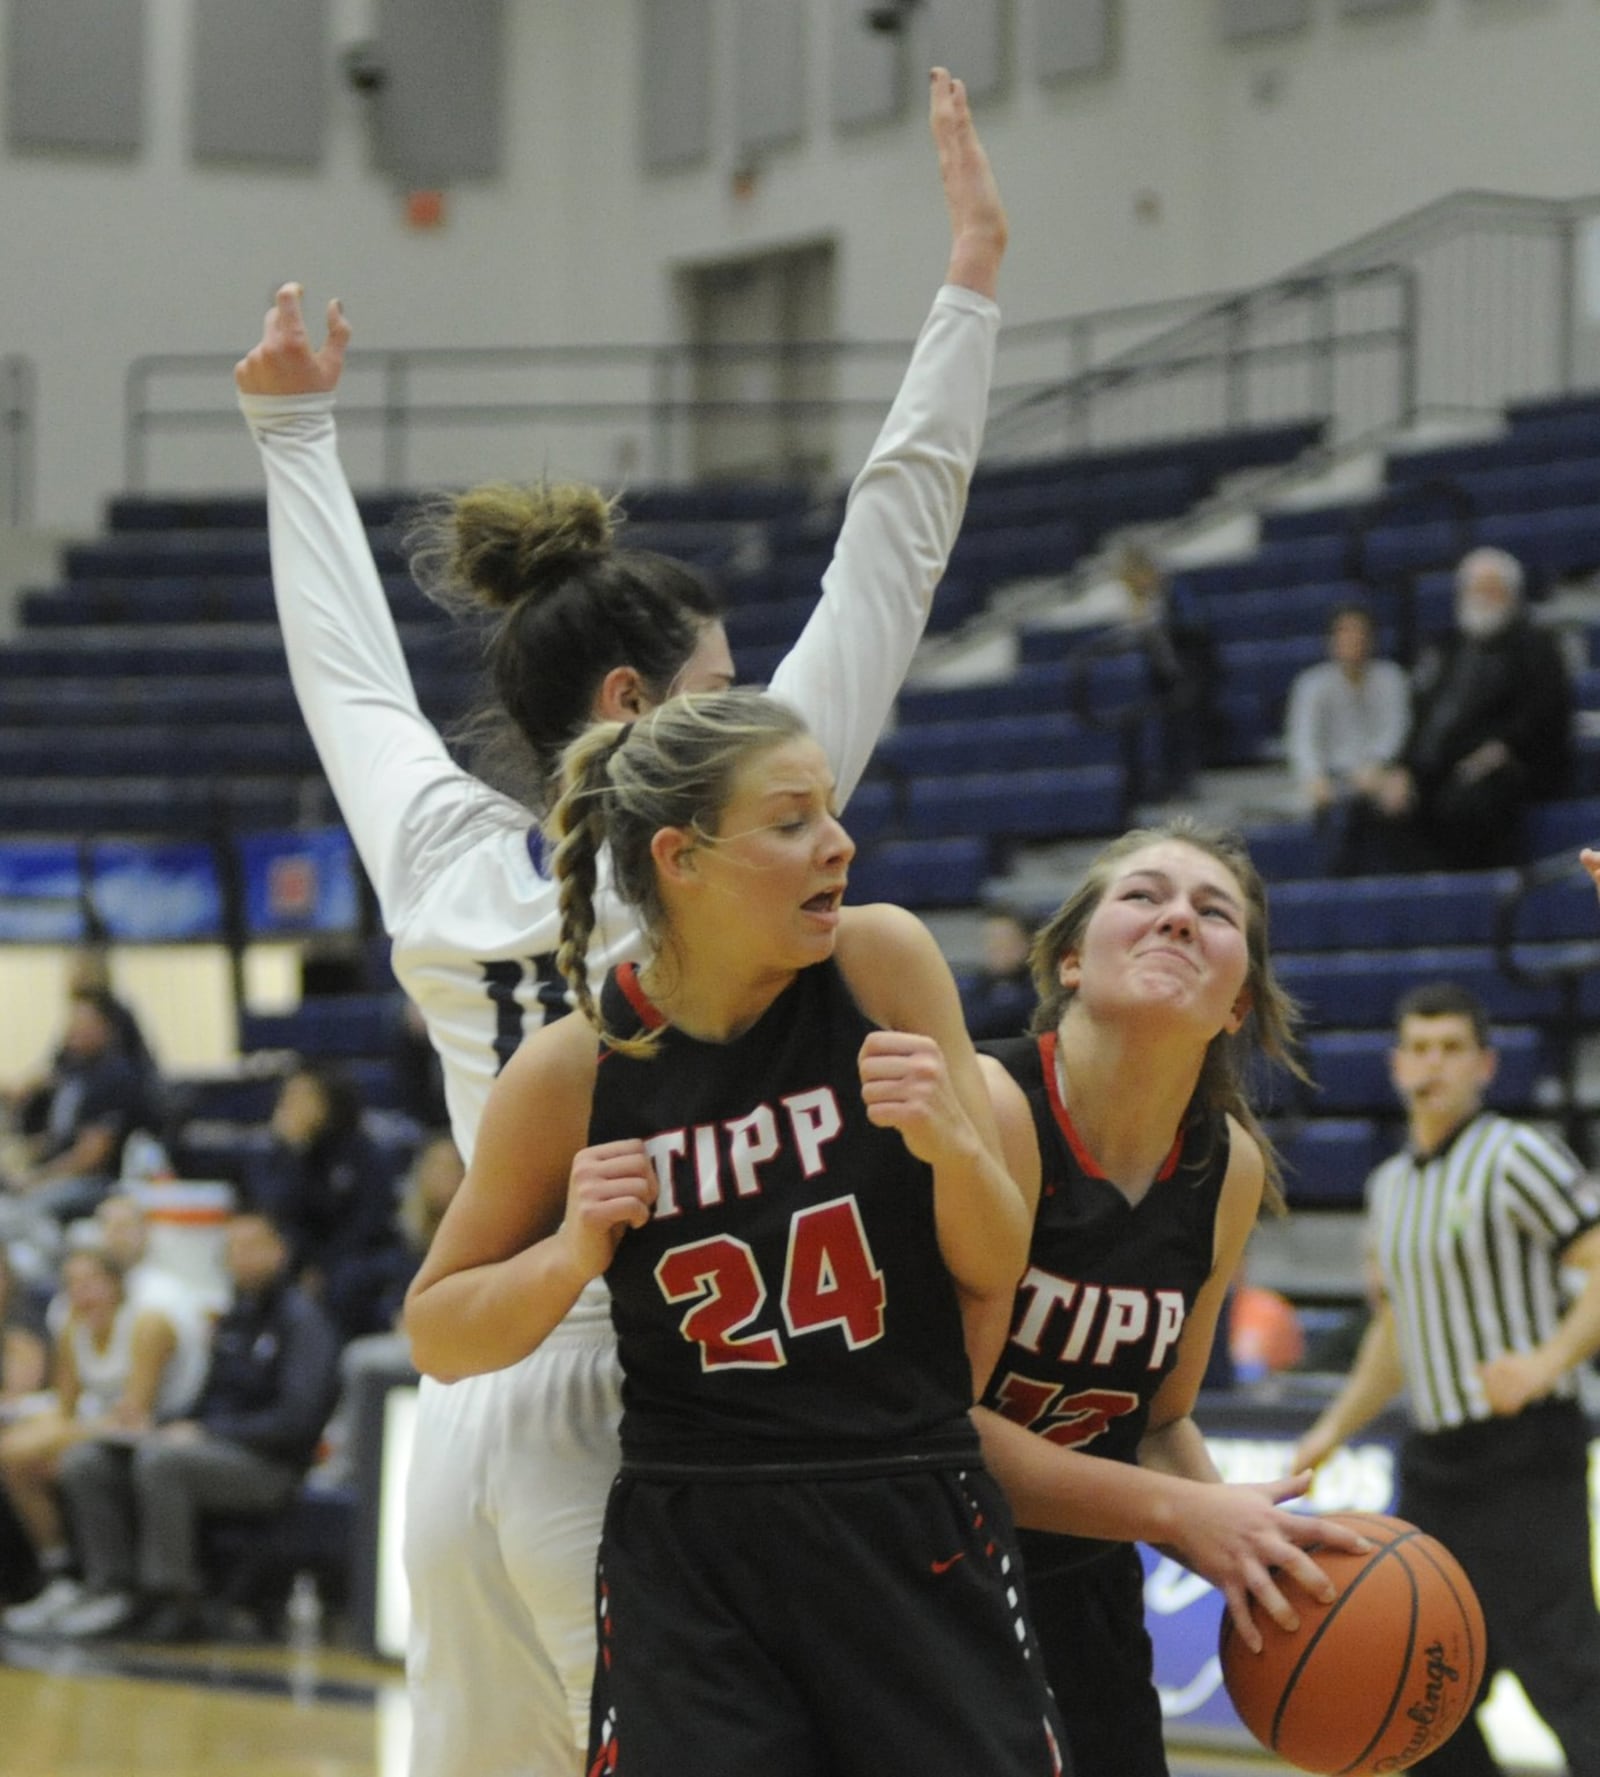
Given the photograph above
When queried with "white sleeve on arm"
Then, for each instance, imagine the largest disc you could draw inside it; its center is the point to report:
(408, 806)
(901, 521)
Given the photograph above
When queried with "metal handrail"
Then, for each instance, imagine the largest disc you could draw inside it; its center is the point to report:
(1098, 365)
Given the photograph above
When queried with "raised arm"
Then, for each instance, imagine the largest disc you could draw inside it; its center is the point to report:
(905, 508)
(397, 787)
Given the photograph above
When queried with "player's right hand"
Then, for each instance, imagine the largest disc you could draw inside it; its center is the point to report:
(284, 363)
(1237, 1535)
(610, 1189)
(1589, 857)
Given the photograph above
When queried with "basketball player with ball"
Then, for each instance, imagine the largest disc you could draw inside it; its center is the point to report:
(1156, 992)
(1471, 1228)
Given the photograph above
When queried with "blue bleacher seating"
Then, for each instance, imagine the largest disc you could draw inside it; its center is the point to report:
(1051, 802)
(922, 872)
(1351, 1070)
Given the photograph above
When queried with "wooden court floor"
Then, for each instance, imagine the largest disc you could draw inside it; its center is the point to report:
(127, 1711)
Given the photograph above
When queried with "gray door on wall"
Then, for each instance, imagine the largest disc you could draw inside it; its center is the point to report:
(758, 324)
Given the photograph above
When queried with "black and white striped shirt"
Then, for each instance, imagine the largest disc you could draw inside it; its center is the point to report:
(1468, 1242)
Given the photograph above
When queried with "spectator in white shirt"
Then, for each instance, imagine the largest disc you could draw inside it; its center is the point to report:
(1347, 720)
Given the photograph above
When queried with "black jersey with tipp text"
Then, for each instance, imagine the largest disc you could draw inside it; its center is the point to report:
(1109, 1284)
(787, 1299)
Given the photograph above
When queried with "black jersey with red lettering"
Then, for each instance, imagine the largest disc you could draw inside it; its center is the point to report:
(1108, 1286)
(787, 1300)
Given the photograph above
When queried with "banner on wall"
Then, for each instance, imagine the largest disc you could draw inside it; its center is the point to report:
(299, 882)
(41, 893)
(134, 892)
(168, 893)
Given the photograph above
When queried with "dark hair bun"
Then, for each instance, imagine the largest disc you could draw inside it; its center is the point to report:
(510, 543)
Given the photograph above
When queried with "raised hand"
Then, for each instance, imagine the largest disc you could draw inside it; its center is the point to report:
(1590, 859)
(609, 1190)
(905, 1085)
(978, 226)
(1237, 1535)
(284, 363)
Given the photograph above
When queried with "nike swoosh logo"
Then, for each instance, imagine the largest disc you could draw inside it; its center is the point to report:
(946, 1565)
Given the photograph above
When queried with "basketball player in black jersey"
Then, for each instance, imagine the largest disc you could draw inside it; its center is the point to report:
(780, 1153)
(1155, 984)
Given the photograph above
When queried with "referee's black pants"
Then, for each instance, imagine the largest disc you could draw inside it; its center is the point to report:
(1510, 1499)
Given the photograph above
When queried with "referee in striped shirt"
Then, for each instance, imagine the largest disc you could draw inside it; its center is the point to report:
(1470, 1226)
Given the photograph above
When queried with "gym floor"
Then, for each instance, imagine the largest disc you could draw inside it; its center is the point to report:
(119, 1710)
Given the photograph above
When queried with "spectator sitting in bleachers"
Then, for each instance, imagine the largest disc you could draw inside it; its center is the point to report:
(136, 1507)
(118, 1368)
(96, 1097)
(24, 1365)
(999, 999)
(88, 972)
(1491, 731)
(1180, 663)
(1346, 722)
(121, 1227)
(24, 1353)
(325, 1184)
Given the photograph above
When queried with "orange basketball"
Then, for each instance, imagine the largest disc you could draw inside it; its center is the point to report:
(1378, 1678)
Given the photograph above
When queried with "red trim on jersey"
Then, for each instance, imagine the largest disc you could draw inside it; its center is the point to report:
(1052, 1083)
(650, 1015)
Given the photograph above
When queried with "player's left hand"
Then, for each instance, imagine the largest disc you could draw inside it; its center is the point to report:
(1513, 1379)
(905, 1085)
(284, 362)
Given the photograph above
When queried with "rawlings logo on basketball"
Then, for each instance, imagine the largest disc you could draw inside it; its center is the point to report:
(1439, 1674)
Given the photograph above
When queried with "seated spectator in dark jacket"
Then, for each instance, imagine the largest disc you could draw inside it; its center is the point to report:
(1491, 731)
(95, 1098)
(326, 1184)
(999, 999)
(136, 1506)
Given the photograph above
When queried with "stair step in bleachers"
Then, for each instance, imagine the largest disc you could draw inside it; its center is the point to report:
(1040, 689)
(332, 1026)
(1518, 489)
(1386, 912)
(173, 751)
(1351, 1070)
(179, 807)
(921, 873)
(180, 650)
(1361, 987)
(186, 599)
(1327, 1160)
(1041, 803)
(995, 743)
(47, 701)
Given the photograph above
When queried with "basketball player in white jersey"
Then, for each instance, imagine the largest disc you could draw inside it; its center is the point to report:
(511, 1470)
